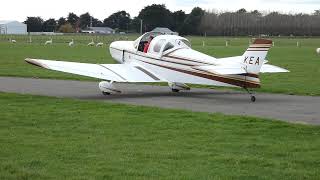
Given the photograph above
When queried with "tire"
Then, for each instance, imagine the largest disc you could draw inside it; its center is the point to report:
(253, 99)
(106, 93)
(175, 90)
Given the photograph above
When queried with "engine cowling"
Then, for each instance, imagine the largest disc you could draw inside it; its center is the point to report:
(108, 87)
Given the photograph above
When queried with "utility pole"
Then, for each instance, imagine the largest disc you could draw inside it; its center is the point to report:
(141, 22)
(90, 21)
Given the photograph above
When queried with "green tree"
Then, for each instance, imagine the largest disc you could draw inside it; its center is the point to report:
(119, 20)
(67, 28)
(256, 12)
(178, 19)
(156, 15)
(61, 21)
(192, 23)
(34, 24)
(49, 25)
(96, 22)
(73, 19)
(242, 11)
(316, 12)
(135, 24)
(85, 20)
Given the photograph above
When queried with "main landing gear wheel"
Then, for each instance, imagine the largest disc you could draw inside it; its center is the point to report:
(175, 90)
(105, 93)
(253, 98)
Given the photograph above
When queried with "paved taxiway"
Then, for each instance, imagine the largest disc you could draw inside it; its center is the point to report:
(301, 109)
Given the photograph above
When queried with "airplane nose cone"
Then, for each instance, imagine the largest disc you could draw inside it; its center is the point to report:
(116, 45)
(116, 51)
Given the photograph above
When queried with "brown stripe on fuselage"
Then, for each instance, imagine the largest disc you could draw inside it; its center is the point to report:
(262, 41)
(211, 77)
(259, 47)
(247, 74)
(185, 59)
(141, 55)
(250, 75)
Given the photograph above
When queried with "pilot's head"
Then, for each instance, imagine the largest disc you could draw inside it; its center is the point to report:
(150, 38)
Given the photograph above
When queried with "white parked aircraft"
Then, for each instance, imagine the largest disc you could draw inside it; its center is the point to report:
(169, 58)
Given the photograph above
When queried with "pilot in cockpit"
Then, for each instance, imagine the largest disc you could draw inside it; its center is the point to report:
(146, 46)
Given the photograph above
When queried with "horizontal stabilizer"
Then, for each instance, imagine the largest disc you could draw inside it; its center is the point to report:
(225, 70)
(267, 68)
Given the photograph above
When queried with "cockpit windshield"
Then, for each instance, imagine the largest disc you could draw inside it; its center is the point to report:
(157, 47)
(159, 44)
(168, 46)
(186, 42)
(142, 40)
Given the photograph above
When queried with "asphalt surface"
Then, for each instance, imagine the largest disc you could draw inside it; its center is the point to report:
(296, 109)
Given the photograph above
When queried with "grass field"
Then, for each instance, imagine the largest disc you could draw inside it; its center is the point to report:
(50, 138)
(302, 61)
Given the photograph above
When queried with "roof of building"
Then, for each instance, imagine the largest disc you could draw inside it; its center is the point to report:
(9, 21)
(163, 30)
(101, 29)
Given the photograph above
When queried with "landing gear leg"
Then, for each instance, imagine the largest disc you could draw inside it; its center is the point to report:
(253, 98)
(105, 93)
(175, 90)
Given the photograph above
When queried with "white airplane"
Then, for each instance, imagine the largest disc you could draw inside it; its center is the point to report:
(170, 59)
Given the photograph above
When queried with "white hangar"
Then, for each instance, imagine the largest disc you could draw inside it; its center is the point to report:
(12, 27)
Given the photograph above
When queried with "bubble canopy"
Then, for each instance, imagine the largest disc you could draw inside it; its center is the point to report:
(161, 44)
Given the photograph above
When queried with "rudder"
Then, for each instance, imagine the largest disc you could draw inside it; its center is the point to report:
(255, 55)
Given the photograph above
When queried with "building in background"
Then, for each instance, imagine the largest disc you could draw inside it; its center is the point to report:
(12, 27)
(98, 30)
(164, 31)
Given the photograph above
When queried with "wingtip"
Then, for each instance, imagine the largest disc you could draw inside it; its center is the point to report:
(35, 63)
(285, 70)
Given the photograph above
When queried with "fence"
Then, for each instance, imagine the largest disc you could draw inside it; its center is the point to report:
(65, 38)
(195, 40)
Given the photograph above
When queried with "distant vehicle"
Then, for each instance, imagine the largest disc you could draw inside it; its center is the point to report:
(169, 58)
(122, 33)
(87, 31)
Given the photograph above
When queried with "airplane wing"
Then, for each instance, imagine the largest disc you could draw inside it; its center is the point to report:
(267, 68)
(112, 72)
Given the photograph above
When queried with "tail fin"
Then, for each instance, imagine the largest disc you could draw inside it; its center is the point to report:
(255, 55)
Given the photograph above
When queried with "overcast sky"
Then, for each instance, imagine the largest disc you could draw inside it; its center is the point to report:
(20, 9)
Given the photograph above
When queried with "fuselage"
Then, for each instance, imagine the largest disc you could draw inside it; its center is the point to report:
(171, 57)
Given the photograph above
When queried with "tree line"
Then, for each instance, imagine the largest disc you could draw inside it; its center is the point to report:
(197, 22)
(243, 23)
(156, 15)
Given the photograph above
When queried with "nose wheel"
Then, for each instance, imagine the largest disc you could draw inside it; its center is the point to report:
(175, 90)
(253, 98)
(106, 93)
